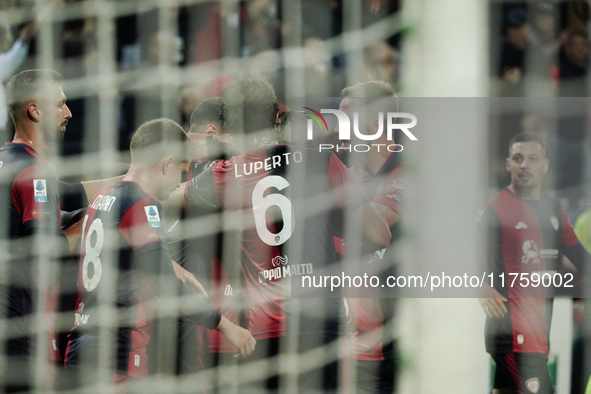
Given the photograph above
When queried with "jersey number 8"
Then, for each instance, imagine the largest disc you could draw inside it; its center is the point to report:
(92, 253)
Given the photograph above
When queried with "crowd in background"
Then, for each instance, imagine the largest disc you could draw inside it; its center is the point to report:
(538, 49)
(194, 35)
(541, 49)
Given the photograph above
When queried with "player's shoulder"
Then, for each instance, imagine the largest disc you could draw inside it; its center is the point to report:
(552, 202)
(502, 197)
(550, 199)
(131, 195)
(20, 157)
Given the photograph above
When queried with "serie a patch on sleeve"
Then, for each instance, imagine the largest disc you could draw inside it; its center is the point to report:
(40, 188)
(152, 215)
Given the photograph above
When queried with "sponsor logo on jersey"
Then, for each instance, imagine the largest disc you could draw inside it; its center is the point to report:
(554, 221)
(549, 253)
(375, 256)
(278, 260)
(40, 187)
(284, 270)
(397, 185)
(395, 189)
(533, 385)
(152, 215)
(520, 225)
(531, 254)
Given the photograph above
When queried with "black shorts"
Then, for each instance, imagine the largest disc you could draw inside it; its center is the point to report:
(524, 372)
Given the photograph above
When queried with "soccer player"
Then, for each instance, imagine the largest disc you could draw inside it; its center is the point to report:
(201, 255)
(208, 134)
(30, 202)
(257, 186)
(529, 233)
(381, 172)
(124, 254)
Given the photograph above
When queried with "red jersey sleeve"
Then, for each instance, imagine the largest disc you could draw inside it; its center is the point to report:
(347, 189)
(568, 237)
(141, 224)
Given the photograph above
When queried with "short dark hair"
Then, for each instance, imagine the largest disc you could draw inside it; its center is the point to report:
(527, 136)
(249, 106)
(369, 89)
(27, 85)
(378, 95)
(283, 129)
(157, 139)
(373, 91)
(209, 111)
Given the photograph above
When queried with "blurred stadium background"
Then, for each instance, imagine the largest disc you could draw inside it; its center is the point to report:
(128, 61)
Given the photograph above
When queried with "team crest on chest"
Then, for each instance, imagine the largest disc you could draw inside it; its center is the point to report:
(40, 188)
(554, 222)
(152, 215)
(533, 385)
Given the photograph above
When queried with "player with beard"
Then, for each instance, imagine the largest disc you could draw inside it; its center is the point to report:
(30, 196)
(207, 132)
(381, 172)
(124, 222)
(529, 232)
(262, 198)
(201, 255)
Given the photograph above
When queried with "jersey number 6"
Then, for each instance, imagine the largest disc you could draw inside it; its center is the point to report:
(260, 204)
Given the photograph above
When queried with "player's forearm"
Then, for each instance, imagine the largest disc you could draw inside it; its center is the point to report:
(189, 279)
(209, 317)
(375, 227)
(579, 257)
